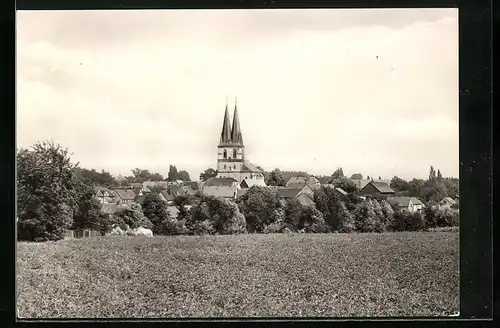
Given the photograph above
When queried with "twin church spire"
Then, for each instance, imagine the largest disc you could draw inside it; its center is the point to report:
(231, 136)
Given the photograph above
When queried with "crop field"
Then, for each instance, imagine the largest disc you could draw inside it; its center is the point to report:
(299, 275)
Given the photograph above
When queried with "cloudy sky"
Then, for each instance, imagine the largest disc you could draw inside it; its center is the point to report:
(371, 91)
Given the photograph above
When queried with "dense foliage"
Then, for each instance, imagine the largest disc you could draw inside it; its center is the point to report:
(49, 192)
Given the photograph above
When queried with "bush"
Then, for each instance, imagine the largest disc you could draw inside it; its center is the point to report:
(204, 227)
(223, 215)
(49, 222)
(312, 220)
(104, 223)
(430, 216)
(171, 226)
(258, 206)
(415, 221)
(155, 210)
(446, 217)
(365, 219)
(274, 227)
(406, 221)
(134, 217)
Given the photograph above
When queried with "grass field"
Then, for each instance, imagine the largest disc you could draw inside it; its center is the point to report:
(390, 274)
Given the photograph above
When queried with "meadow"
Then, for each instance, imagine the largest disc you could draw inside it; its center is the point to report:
(256, 275)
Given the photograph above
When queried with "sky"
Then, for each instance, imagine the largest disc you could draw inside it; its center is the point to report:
(371, 91)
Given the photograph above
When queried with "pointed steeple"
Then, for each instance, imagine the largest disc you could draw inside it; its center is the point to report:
(236, 137)
(225, 136)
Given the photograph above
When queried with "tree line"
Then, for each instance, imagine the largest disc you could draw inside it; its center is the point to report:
(54, 195)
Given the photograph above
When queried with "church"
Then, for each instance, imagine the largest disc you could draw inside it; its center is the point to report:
(231, 161)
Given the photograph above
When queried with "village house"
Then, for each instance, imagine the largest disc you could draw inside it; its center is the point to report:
(359, 183)
(299, 182)
(376, 189)
(194, 185)
(104, 195)
(339, 191)
(125, 195)
(407, 204)
(447, 202)
(221, 187)
(249, 183)
(304, 195)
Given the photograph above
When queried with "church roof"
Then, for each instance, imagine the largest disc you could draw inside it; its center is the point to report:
(249, 167)
(225, 136)
(231, 136)
(236, 137)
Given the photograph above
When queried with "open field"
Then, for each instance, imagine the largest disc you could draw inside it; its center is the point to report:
(390, 274)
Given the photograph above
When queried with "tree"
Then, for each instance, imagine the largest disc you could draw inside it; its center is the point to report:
(399, 185)
(155, 210)
(365, 218)
(184, 175)
(207, 174)
(388, 213)
(346, 184)
(346, 219)
(141, 175)
(47, 191)
(275, 178)
(415, 187)
(258, 205)
(328, 202)
(173, 175)
(433, 191)
(339, 173)
(312, 220)
(357, 176)
(293, 213)
(156, 177)
(134, 217)
(213, 214)
(432, 174)
(439, 176)
(379, 215)
(95, 178)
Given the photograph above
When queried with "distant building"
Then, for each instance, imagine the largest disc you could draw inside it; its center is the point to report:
(408, 204)
(447, 202)
(249, 183)
(221, 187)
(125, 195)
(299, 182)
(359, 183)
(377, 189)
(304, 195)
(104, 195)
(231, 161)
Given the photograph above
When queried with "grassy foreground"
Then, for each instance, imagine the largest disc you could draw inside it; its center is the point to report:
(390, 274)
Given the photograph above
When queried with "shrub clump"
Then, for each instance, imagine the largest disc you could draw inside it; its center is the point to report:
(212, 214)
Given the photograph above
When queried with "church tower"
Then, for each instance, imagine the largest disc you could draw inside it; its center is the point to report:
(231, 161)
